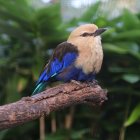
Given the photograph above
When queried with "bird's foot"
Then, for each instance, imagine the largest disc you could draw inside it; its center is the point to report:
(76, 82)
(93, 83)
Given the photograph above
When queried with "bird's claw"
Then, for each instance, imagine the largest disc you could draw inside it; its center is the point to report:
(76, 82)
(93, 83)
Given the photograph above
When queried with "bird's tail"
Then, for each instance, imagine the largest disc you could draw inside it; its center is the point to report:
(39, 88)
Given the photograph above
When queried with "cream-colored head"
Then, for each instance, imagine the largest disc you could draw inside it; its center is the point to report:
(88, 42)
(84, 33)
(86, 28)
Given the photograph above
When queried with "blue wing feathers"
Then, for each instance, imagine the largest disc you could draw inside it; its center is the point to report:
(68, 59)
(42, 77)
(64, 55)
(56, 67)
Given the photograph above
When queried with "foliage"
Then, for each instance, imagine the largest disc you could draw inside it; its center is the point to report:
(27, 37)
(134, 116)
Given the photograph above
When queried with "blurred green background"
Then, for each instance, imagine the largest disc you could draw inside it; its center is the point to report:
(31, 29)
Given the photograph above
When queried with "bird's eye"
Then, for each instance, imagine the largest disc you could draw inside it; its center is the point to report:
(85, 34)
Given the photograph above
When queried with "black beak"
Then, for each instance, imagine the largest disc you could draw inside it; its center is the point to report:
(99, 31)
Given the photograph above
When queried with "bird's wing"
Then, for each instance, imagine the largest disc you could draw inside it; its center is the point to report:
(64, 55)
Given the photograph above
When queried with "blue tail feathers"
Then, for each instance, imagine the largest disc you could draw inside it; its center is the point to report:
(39, 88)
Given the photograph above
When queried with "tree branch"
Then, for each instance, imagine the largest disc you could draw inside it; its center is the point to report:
(64, 95)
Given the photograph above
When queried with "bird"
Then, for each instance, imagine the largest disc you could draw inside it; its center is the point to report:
(79, 58)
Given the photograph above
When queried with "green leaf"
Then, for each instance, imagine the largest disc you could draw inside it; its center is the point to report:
(132, 34)
(131, 78)
(114, 48)
(134, 116)
(130, 20)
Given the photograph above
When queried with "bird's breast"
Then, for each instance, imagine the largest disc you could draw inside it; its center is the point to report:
(90, 56)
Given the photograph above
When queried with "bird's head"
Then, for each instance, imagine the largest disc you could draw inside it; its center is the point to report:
(85, 33)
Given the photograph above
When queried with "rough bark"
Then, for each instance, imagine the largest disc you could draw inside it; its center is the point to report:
(61, 96)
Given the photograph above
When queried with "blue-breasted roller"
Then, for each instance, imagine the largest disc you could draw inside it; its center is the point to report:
(79, 58)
